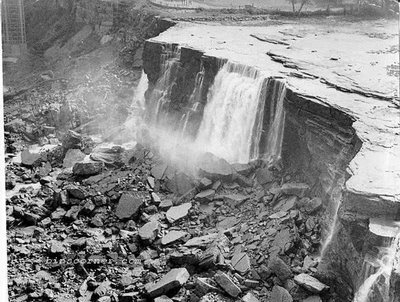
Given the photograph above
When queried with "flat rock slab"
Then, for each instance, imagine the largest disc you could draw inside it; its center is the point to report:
(235, 198)
(215, 168)
(148, 232)
(249, 297)
(241, 262)
(298, 189)
(163, 298)
(172, 236)
(243, 169)
(202, 241)
(310, 283)
(129, 205)
(227, 223)
(29, 158)
(280, 268)
(205, 196)
(279, 294)
(88, 168)
(178, 212)
(227, 284)
(174, 279)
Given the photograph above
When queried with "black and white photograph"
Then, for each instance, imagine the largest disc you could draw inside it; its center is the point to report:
(200, 151)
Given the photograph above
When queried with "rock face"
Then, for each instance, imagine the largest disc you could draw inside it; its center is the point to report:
(172, 280)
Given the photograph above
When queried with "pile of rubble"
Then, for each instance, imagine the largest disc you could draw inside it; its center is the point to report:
(110, 224)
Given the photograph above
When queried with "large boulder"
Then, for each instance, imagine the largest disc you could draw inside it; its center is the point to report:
(310, 283)
(87, 168)
(215, 168)
(129, 205)
(174, 279)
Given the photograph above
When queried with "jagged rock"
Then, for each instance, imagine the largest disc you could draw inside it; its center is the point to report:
(313, 205)
(158, 171)
(172, 236)
(58, 214)
(151, 182)
(72, 157)
(156, 199)
(227, 284)
(163, 299)
(179, 184)
(129, 205)
(15, 126)
(71, 140)
(279, 294)
(148, 232)
(264, 176)
(165, 204)
(87, 168)
(249, 297)
(243, 169)
(56, 247)
(298, 189)
(97, 220)
(310, 283)
(73, 213)
(202, 241)
(204, 286)
(241, 262)
(236, 199)
(128, 297)
(174, 279)
(178, 212)
(312, 299)
(284, 240)
(286, 204)
(215, 168)
(75, 192)
(205, 183)
(29, 158)
(227, 223)
(280, 268)
(205, 196)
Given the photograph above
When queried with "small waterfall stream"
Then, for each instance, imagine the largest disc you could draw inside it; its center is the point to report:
(231, 113)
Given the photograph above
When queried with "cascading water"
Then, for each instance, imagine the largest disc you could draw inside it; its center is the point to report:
(231, 112)
(380, 280)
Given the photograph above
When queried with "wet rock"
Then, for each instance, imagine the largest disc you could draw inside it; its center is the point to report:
(280, 268)
(215, 168)
(264, 176)
(227, 284)
(204, 286)
(149, 231)
(172, 236)
(72, 157)
(313, 206)
(128, 297)
(243, 169)
(244, 181)
(205, 196)
(202, 241)
(241, 262)
(298, 189)
(158, 171)
(129, 205)
(279, 294)
(176, 213)
(71, 140)
(75, 192)
(310, 283)
(174, 279)
(87, 168)
(97, 220)
(46, 180)
(179, 184)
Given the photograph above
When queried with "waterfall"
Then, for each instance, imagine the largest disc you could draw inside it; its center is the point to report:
(385, 263)
(276, 123)
(231, 112)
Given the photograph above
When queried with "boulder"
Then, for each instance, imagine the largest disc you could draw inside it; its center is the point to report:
(205, 183)
(202, 241)
(241, 262)
(227, 284)
(264, 176)
(236, 199)
(30, 158)
(279, 294)
(280, 268)
(149, 231)
(172, 236)
(176, 213)
(215, 168)
(243, 169)
(72, 157)
(179, 184)
(298, 189)
(174, 279)
(87, 168)
(129, 205)
(71, 140)
(310, 283)
(312, 299)
(313, 206)
(249, 297)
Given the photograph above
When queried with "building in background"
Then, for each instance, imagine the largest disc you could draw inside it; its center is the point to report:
(13, 27)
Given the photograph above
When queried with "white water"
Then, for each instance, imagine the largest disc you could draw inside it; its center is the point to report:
(229, 117)
(385, 263)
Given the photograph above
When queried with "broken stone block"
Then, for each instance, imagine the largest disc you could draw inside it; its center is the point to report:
(156, 199)
(158, 171)
(151, 182)
(165, 204)
(163, 299)
(179, 184)
(313, 206)
(205, 196)
(244, 181)
(129, 205)
(58, 214)
(236, 199)
(205, 183)
(29, 158)
(204, 286)
(149, 231)
(264, 176)
(71, 140)
(72, 157)
(298, 189)
(227, 284)
(202, 241)
(310, 283)
(243, 169)
(178, 212)
(241, 262)
(286, 204)
(75, 192)
(128, 297)
(279, 294)
(312, 299)
(280, 268)
(174, 279)
(214, 168)
(87, 168)
(227, 223)
(56, 247)
(249, 297)
(172, 236)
